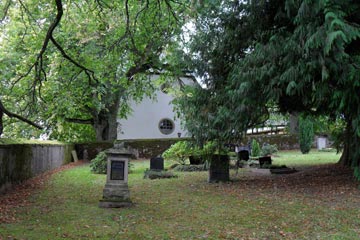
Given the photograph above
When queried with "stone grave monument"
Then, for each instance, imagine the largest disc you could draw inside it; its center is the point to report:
(116, 191)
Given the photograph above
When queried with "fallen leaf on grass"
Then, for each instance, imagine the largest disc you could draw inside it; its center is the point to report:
(17, 196)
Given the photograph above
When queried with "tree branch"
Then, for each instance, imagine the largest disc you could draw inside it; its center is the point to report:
(3, 111)
(5, 11)
(81, 121)
(88, 72)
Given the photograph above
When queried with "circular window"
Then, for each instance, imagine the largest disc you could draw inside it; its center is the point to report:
(166, 126)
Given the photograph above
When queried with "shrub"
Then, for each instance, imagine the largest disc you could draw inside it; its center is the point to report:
(268, 149)
(181, 151)
(152, 174)
(255, 148)
(99, 164)
(306, 134)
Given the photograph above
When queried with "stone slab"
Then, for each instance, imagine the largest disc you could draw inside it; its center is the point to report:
(114, 204)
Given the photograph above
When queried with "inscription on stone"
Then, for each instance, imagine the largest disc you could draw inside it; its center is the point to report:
(117, 170)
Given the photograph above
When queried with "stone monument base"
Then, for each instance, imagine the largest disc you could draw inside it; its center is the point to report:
(115, 196)
(114, 204)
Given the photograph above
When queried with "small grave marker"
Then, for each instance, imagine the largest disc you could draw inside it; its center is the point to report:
(74, 155)
(157, 163)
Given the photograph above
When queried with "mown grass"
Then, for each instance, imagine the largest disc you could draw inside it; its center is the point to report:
(186, 208)
(296, 158)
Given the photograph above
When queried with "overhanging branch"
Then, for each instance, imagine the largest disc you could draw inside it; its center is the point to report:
(81, 121)
(3, 111)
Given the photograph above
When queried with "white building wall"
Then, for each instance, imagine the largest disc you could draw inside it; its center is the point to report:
(143, 122)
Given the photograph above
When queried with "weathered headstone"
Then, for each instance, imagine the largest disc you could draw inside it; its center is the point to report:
(116, 191)
(74, 155)
(321, 142)
(265, 160)
(243, 155)
(157, 163)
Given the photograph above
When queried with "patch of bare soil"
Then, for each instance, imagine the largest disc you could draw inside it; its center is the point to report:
(18, 195)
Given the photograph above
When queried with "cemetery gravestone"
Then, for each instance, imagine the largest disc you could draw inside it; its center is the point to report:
(116, 191)
(265, 160)
(157, 163)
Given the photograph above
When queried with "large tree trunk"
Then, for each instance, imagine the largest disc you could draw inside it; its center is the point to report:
(351, 150)
(1, 121)
(106, 128)
(105, 124)
(346, 158)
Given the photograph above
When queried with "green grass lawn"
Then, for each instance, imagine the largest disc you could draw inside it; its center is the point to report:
(296, 158)
(187, 207)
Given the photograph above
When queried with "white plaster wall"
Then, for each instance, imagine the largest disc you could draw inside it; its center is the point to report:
(144, 120)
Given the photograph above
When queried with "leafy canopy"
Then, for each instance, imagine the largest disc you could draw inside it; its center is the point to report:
(292, 55)
(81, 61)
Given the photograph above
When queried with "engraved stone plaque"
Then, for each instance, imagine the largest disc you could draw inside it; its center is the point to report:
(117, 170)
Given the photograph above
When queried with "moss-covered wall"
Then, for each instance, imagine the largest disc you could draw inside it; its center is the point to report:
(88, 151)
(149, 148)
(153, 147)
(19, 162)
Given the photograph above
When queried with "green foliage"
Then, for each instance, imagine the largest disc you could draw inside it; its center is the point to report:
(99, 163)
(268, 149)
(295, 56)
(221, 39)
(109, 48)
(306, 134)
(180, 152)
(255, 148)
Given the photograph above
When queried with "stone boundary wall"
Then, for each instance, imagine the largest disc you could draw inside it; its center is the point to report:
(19, 162)
(283, 142)
(148, 148)
(88, 151)
(143, 148)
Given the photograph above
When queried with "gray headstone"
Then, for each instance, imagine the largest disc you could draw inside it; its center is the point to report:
(157, 163)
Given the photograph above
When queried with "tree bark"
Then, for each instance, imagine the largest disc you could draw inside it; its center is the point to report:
(3, 111)
(105, 123)
(1, 121)
(351, 150)
(106, 127)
